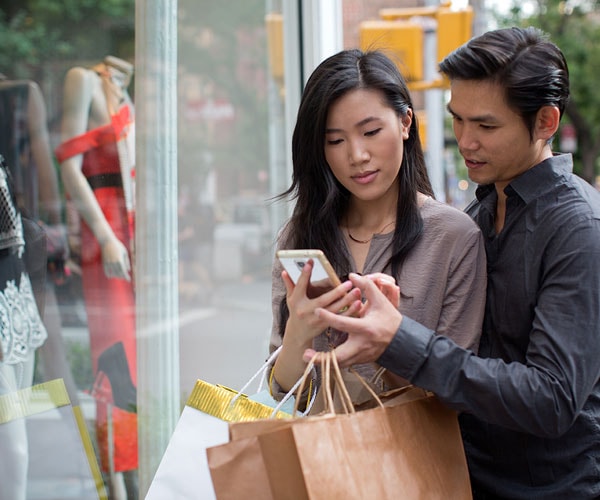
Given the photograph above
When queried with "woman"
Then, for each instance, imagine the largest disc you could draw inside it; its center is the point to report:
(363, 196)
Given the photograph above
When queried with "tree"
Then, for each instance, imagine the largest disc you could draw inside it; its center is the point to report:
(575, 27)
(34, 33)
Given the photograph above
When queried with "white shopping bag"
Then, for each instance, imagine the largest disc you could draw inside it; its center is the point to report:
(183, 472)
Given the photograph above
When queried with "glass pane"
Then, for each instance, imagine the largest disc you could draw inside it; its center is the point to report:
(67, 136)
(230, 104)
(231, 161)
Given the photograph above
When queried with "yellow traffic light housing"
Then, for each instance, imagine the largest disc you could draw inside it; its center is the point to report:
(274, 24)
(454, 28)
(422, 125)
(401, 40)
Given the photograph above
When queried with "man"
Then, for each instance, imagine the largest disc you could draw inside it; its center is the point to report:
(530, 400)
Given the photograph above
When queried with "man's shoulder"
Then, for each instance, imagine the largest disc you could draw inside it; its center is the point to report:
(574, 196)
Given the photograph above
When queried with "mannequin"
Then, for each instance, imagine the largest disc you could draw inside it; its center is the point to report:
(97, 166)
(21, 333)
(25, 145)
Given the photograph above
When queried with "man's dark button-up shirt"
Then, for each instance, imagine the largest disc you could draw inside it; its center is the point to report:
(531, 398)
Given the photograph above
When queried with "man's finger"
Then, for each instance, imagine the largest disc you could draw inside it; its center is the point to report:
(337, 321)
(347, 354)
(366, 285)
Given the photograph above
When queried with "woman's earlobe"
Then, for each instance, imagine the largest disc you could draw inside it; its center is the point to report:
(405, 123)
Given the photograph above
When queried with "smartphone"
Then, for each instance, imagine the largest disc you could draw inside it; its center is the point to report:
(323, 275)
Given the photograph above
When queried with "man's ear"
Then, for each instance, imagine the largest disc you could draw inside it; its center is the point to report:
(546, 122)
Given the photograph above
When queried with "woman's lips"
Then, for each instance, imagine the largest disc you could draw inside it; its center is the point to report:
(365, 178)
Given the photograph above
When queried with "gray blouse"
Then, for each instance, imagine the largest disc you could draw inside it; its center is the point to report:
(442, 282)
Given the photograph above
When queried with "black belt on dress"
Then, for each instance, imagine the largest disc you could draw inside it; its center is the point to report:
(105, 180)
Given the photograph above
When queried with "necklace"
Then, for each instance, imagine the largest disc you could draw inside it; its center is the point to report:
(364, 242)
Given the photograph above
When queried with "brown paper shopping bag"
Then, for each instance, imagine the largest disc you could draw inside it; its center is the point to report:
(411, 449)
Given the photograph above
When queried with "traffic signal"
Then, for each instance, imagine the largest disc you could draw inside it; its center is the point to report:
(401, 40)
(274, 24)
(454, 28)
(422, 123)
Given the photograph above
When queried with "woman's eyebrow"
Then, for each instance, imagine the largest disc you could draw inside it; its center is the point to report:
(361, 123)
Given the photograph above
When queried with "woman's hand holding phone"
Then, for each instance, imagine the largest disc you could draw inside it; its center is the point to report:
(323, 277)
(307, 291)
(303, 324)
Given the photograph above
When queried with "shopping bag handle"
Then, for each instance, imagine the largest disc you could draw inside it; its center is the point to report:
(310, 366)
(263, 370)
(329, 362)
(367, 386)
(331, 373)
(297, 391)
(339, 383)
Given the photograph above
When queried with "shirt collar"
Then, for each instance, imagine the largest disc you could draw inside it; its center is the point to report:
(535, 181)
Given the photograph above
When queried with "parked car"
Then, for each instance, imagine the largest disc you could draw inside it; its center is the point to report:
(244, 243)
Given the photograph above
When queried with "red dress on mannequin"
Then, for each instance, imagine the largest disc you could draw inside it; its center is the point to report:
(110, 302)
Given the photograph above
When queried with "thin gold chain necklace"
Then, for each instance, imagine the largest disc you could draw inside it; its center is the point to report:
(364, 242)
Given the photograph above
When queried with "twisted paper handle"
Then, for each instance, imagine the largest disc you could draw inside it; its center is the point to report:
(329, 363)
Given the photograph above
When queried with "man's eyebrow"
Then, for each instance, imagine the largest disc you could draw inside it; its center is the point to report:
(487, 118)
(449, 109)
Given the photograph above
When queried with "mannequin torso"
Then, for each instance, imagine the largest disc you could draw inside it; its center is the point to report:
(91, 99)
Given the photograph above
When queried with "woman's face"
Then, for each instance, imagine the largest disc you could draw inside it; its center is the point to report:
(364, 143)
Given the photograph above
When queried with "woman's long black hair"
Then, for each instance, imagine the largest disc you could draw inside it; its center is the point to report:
(321, 201)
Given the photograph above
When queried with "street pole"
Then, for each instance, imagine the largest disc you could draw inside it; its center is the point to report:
(433, 110)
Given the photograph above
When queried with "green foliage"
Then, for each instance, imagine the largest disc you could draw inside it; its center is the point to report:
(78, 357)
(33, 32)
(23, 42)
(78, 361)
(81, 11)
(575, 27)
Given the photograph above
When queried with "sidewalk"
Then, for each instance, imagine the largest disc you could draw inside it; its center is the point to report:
(236, 327)
(58, 469)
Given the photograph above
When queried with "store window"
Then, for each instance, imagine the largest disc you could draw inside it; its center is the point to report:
(69, 114)
(226, 223)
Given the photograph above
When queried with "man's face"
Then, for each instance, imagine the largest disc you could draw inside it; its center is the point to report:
(492, 137)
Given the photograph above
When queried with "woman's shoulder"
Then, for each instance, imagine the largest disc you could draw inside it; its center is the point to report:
(283, 235)
(445, 217)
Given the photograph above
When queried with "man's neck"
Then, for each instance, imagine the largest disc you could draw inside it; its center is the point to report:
(500, 212)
